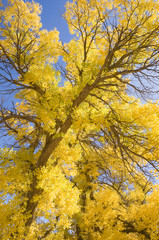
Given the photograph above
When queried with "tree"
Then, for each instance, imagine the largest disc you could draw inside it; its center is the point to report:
(86, 148)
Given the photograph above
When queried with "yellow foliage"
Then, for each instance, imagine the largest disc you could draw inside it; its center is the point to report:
(85, 159)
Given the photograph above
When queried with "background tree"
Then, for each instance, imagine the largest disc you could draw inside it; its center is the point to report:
(85, 153)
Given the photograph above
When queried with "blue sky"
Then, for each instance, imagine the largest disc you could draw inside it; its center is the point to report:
(51, 17)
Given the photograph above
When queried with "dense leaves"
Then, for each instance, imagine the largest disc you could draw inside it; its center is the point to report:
(84, 157)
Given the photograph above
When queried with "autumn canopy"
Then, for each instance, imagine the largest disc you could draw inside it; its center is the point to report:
(82, 157)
